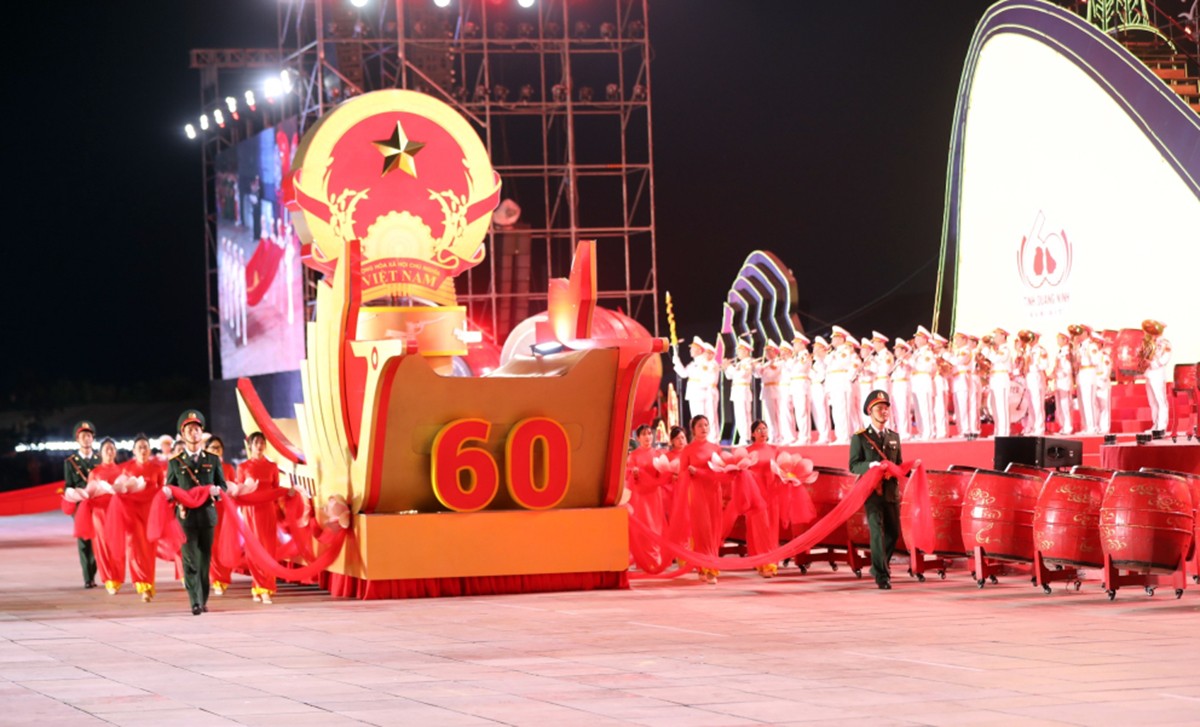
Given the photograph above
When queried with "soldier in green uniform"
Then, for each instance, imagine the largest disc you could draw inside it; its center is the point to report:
(868, 448)
(76, 469)
(191, 468)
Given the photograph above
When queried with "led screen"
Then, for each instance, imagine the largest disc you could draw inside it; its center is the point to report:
(258, 258)
(1069, 214)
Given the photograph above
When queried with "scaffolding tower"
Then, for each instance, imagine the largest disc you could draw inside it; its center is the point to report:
(560, 94)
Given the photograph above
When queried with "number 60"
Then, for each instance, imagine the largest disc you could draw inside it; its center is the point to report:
(537, 464)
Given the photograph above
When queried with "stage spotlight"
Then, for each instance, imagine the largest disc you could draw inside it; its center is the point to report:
(219, 118)
(636, 29)
(500, 93)
(586, 94)
(608, 31)
(481, 94)
(272, 87)
(500, 29)
(231, 104)
(639, 92)
(250, 100)
(525, 30)
(285, 80)
(526, 93)
(612, 92)
(559, 92)
(526, 3)
(442, 3)
(582, 28)
(204, 122)
(190, 131)
(359, 3)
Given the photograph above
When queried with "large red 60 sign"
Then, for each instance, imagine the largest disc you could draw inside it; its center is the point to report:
(537, 464)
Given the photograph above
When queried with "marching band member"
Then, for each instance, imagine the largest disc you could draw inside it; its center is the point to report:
(1087, 358)
(1158, 358)
(1104, 371)
(1037, 367)
(818, 397)
(800, 388)
(923, 364)
(702, 375)
(865, 375)
(770, 372)
(962, 358)
(999, 354)
(882, 362)
(740, 374)
(941, 386)
(901, 374)
(1064, 382)
(841, 364)
(787, 357)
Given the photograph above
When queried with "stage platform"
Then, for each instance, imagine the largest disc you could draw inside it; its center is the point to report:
(940, 454)
(818, 649)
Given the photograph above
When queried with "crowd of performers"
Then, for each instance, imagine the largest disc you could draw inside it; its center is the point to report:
(183, 504)
(813, 390)
(686, 500)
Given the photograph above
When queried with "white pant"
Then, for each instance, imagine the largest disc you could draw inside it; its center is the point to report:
(940, 416)
(773, 413)
(819, 405)
(1037, 404)
(1062, 411)
(922, 394)
(998, 385)
(1156, 391)
(1087, 399)
(900, 411)
(961, 388)
(840, 392)
(802, 422)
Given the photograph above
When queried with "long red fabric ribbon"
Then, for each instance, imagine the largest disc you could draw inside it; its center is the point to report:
(818, 531)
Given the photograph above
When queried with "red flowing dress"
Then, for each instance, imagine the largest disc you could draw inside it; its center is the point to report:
(137, 516)
(262, 517)
(218, 572)
(645, 505)
(110, 555)
(698, 503)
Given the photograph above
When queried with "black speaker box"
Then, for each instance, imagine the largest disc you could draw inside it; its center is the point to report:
(1038, 452)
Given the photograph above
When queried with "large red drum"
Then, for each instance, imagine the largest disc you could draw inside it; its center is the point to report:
(1185, 376)
(1194, 489)
(997, 514)
(829, 489)
(1128, 361)
(1066, 523)
(946, 492)
(1102, 472)
(1146, 521)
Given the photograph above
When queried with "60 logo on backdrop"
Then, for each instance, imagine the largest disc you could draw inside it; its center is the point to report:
(537, 464)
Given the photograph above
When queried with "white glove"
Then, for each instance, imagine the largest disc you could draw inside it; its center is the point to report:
(167, 492)
(214, 491)
(876, 464)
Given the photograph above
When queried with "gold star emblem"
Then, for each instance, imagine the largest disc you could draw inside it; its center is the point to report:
(399, 152)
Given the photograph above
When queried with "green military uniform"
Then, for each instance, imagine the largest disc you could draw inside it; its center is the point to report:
(76, 469)
(883, 511)
(186, 471)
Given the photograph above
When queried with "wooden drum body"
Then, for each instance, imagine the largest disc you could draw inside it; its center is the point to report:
(946, 492)
(1066, 523)
(1147, 521)
(997, 514)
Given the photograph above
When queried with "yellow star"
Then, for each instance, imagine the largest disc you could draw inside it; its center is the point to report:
(398, 152)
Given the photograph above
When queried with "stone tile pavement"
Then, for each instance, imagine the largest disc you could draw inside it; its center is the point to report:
(818, 649)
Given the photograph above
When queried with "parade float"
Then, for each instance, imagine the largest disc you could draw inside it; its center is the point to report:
(500, 483)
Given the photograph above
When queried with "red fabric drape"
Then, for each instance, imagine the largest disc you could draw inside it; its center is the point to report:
(261, 269)
(349, 587)
(32, 500)
(818, 531)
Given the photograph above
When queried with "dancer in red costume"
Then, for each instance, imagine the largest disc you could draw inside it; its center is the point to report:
(677, 440)
(263, 516)
(110, 556)
(220, 573)
(137, 515)
(762, 523)
(697, 507)
(644, 481)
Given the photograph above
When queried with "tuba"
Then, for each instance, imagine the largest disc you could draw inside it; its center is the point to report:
(1152, 330)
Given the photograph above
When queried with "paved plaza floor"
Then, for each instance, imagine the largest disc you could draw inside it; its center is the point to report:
(814, 649)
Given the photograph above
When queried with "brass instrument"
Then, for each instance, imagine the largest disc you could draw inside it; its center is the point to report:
(1152, 329)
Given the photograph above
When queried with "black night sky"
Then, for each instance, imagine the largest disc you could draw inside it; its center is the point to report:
(817, 130)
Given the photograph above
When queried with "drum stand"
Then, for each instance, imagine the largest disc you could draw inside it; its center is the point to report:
(1044, 576)
(918, 563)
(986, 568)
(833, 555)
(1114, 579)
